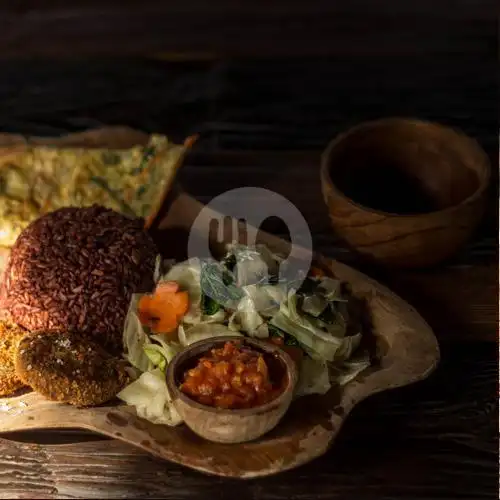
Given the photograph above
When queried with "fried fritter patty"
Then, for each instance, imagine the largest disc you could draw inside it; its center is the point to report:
(69, 368)
(10, 336)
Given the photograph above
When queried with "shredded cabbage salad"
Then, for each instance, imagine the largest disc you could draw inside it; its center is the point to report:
(242, 295)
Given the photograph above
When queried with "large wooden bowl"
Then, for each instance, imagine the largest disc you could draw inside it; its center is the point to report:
(404, 192)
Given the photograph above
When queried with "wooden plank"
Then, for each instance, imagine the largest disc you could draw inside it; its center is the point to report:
(277, 104)
(459, 303)
(224, 28)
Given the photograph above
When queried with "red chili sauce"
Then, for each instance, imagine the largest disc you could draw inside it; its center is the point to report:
(234, 376)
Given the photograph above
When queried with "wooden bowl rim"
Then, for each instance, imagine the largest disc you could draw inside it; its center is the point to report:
(204, 345)
(484, 179)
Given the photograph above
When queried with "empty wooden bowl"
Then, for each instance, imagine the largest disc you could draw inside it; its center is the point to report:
(404, 192)
(228, 425)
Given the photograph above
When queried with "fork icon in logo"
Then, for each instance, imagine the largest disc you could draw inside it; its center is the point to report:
(245, 210)
(229, 230)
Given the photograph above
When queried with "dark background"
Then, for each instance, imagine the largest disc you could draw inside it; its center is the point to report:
(289, 103)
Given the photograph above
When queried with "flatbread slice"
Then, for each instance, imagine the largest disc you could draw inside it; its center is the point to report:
(36, 179)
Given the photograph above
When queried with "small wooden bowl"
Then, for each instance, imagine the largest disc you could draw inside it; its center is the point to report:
(404, 192)
(230, 426)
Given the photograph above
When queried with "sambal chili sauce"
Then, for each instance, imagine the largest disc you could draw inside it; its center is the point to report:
(233, 377)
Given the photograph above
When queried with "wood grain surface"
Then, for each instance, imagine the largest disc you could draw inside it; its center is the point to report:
(195, 28)
(283, 104)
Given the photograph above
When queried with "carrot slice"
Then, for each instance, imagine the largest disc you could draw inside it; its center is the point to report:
(163, 310)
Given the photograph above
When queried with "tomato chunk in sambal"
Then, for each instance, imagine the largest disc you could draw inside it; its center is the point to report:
(233, 377)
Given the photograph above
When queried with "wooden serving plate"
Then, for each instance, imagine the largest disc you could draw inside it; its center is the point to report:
(410, 353)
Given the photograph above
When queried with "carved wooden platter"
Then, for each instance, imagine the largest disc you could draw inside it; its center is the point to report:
(410, 353)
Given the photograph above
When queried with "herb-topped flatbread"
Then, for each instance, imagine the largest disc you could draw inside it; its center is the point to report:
(39, 179)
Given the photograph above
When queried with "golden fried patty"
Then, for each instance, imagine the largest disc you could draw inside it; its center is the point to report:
(10, 336)
(69, 368)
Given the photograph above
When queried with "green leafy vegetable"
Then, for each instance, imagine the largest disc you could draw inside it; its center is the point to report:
(308, 286)
(169, 349)
(153, 352)
(349, 345)
(350, 369)
(254, 264)
(229, 262)
(315, 305)
(228, 278)
(162, 353)
(202, 331)
(320, 344)
(314, 378)
(330, 289)
(266, 298)
(288, 340)
(218, 317)
(247, 319)
(151, 399)
(135, 338)
(208, 305)
(274, 331)
(217, 283)
(329, 315)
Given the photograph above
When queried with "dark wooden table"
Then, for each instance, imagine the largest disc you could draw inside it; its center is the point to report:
(195, 29)
(437, 439)
(264, 123)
